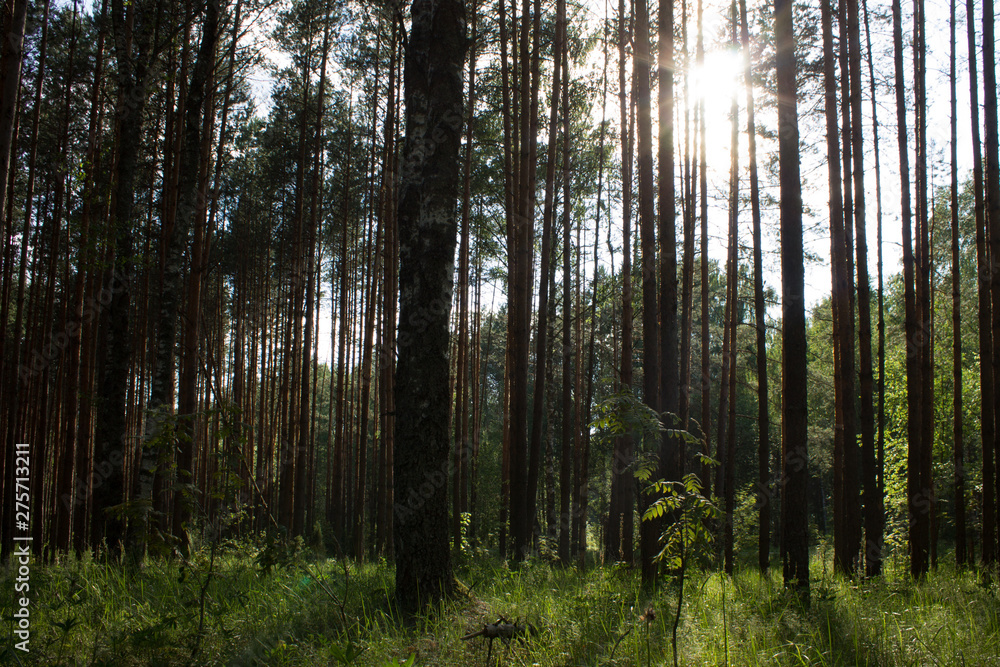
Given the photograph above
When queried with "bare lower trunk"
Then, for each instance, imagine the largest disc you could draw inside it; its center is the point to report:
(958, 454)
(650, 319)
(620, 522)
(429, 180)
(992, 190)
(795, 549)
(986, 380)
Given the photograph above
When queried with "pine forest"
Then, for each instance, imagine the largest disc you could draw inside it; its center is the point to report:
(624, 333)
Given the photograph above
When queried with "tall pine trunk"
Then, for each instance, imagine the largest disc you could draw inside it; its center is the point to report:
(669, 360)
(10, 84)
(567, 426)
(429, 180)
(844, 473)
(760, 311)
(461, 458)
(541, 338)
(133, 47)
(992, 191)
(920, 546)
(650, 318)
(876, 539)
(620, 515)
(706, 377)
(870, 493)
(915, 500)
(958, 454)
(986, 379)
(307, 261)
(726, 479)
(795, 523)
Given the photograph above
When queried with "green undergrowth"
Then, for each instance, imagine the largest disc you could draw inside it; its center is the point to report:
(242, 609)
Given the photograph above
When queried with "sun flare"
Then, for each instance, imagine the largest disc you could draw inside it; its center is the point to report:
(717, 79)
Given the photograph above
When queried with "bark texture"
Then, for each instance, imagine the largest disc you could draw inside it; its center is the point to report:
(430, 175)
(795, 518)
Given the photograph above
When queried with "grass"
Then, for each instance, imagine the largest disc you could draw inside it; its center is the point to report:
(86, 613)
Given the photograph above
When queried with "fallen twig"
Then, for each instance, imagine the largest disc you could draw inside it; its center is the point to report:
(619, 641)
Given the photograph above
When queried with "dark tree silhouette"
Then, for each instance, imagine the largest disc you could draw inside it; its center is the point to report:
(795, 518)
(430, 176)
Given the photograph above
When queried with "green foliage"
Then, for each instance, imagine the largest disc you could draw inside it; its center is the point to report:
(347, 654)
(687, 535)
(280, 551)
(623, 413)
(89, 613)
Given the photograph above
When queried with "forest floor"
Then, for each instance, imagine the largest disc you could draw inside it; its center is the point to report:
(253, 607)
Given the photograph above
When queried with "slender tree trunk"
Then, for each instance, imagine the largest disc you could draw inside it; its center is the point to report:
(669, 361)
(986, 379)
(577, 527)
(308, 262)
(509, 213)
(567, 430)
(650, 319)
(541, 338)
(706, 377)
(10, 84)
(478, 393)
(845, 519)
(386, 365)
(958, 436)
(924, 289)
(191, 202)
(923, 499)
(16, 382)
(915, 499)
(992, 191)
(852, 524)
(760, 310)
(870, 494)
(340, 454)
(688, 198)
(875, 539)
(584, 484)
(463, 377)
(365, 406)
(63, 491)
(620, 516)
(727, 400)
(520, 305)
(551, 489)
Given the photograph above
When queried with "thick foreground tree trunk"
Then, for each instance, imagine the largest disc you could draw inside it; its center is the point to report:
(795, 518)
(429, 180)
(110, 434)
